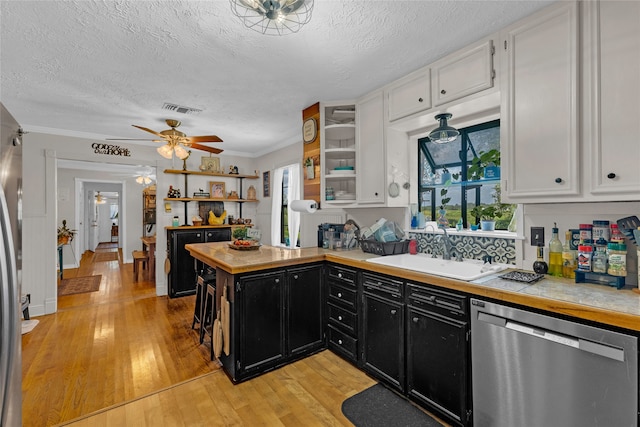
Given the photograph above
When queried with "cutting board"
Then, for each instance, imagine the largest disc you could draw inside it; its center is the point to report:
(225, 307)
(217, 337)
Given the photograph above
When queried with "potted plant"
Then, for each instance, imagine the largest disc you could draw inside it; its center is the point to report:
(446, 176)
(486, 165)
(65, 234)
(443, 222)
(488, 214)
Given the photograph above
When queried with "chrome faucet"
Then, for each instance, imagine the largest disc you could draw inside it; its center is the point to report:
(446, 245)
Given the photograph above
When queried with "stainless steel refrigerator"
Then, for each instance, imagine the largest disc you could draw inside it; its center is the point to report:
(10, 270)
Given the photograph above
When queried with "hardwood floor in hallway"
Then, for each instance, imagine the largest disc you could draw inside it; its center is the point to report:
(107, 347)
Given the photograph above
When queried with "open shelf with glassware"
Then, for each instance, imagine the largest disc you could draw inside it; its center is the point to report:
(339, 147)
(240, 200)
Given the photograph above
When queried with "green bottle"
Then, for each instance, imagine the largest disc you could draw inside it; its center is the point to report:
(555, 253)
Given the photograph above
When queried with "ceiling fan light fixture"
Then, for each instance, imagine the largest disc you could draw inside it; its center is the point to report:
(181, 153)
(273, 17)
(443, 133)
(166, 151)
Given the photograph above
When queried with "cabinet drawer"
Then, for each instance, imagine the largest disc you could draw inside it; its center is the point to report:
(343, 318)
(342, 342)
(436, 300)
(342, 296)
(341, 275)
(382, 286)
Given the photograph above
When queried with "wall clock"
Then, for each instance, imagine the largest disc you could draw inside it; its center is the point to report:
(309, 130)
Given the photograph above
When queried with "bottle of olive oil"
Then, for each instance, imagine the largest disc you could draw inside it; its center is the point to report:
(568, 258)
(555, 253)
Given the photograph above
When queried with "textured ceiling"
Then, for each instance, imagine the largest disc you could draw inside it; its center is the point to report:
(94, 68)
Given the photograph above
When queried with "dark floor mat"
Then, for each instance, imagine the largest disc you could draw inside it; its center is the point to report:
(379, 406)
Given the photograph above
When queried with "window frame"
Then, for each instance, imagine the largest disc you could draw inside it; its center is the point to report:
(466, 146)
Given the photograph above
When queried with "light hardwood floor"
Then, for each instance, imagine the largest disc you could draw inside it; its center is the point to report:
(122, 356)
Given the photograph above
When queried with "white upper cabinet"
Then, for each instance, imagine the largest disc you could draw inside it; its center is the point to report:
(539, 128)
(338, 153)
(612, 94)
(463, 73)
(410, 95)
(371, 179)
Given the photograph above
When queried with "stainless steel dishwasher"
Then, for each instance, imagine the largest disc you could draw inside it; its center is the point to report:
(534, 370)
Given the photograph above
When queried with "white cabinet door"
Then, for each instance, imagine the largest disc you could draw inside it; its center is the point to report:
(410, 95)
(539, 118)
(463, 73)
(612, 69)
(371, 176)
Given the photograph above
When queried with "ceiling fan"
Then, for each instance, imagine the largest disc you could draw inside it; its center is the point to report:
(177, 141)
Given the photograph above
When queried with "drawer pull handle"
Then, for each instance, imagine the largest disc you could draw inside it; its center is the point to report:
(420, 100)
(340, 275)
(340, 342)
(443, 91)
(415, 320)
(558, 180)
(339, 317)
(339, 294)
(611, 175)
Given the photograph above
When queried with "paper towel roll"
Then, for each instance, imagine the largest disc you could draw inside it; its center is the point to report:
(309, 206)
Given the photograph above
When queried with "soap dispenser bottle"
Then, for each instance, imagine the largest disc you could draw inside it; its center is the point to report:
(540, 266)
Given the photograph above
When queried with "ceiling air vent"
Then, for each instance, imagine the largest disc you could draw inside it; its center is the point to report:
(180, 109)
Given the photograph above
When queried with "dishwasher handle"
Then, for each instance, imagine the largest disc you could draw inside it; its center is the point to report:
(600, 349)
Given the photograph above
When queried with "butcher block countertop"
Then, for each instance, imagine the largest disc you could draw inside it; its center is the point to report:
(598, 303)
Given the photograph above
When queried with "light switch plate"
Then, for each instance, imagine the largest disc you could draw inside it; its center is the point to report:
(537, 236)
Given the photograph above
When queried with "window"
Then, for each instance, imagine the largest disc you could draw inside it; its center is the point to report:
(284, 221)
(451, 176)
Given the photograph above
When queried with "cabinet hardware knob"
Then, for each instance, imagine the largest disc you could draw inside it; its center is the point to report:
(339, 317)
(415, 320)
(339, 295)
(375, 194)
(277, 280)
(558, 180)
(443, 91)
(340, 275)
(394, 311)
(295, 276)
(340, 342)
(420, 100)
(611, 175)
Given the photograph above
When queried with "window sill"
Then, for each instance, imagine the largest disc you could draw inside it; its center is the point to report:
(498, 234)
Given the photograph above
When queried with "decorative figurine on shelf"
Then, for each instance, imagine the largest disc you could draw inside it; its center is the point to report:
(233, 170)
(173, 193)
(233, 195)
(251, 193)
(217, 220)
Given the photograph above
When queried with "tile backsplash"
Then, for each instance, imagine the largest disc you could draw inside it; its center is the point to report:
(470, 247)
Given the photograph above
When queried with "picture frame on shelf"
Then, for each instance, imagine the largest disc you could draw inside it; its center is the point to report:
(210, 164)
(217, 190)
(266, 184)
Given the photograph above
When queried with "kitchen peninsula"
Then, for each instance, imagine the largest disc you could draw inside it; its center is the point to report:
(286, 304)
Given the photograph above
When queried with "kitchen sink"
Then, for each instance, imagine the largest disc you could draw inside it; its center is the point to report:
(462, 270)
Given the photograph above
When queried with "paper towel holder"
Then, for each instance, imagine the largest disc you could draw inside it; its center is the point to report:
(306, 206)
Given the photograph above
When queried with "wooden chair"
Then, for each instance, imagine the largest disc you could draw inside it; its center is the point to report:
(140, 262)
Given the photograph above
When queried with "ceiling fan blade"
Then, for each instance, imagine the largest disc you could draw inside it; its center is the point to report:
(150, 131)
(204, 138)
(129, 139)
(206, 148)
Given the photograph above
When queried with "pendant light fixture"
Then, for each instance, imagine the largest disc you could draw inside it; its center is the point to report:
(443, 133)
(273, 17)
(100, 200)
